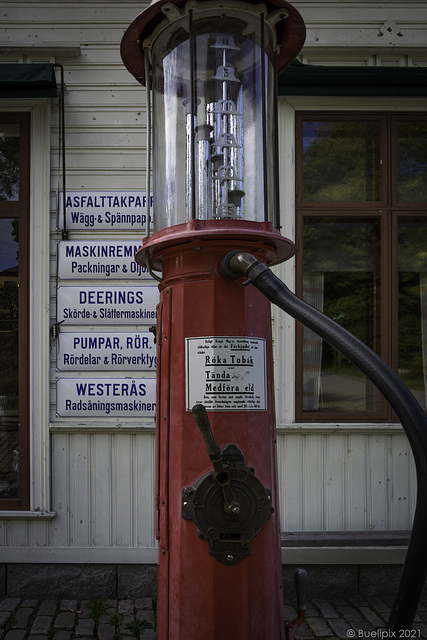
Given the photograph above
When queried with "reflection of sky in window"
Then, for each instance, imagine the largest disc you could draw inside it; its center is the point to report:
(311, 131)
(8, 246)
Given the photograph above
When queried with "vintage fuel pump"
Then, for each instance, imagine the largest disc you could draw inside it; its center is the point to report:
(211, 67)
(212, 71)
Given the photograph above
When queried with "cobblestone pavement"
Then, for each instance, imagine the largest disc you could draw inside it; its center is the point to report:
(326, 618)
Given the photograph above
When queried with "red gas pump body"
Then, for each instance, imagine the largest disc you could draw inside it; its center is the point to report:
(200, 598)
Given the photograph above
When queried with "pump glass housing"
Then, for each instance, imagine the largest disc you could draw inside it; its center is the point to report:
(213, 126)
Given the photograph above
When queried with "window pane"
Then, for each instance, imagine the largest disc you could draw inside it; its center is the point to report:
(9, 359)
(341, 161)
(412, 161)
(341, 277)
(9, 162)
(412, 351)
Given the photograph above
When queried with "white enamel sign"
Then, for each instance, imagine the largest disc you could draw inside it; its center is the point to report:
(105, 260)
(106, 351)
(107, 305)
(112, 210)
(226, 373)
(105, 397)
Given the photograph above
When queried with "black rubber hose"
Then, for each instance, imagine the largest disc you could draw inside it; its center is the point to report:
(407, 408)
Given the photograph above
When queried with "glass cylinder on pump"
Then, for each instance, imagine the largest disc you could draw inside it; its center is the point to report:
(214, 117)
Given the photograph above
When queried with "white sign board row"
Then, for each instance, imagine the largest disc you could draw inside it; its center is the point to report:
(97, 210)
(107, 305)
(226, 373)
(108, 260)
(106, 351)
(105, 397)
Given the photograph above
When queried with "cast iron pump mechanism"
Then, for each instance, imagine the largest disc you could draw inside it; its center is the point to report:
(237, 264)
(230, 505)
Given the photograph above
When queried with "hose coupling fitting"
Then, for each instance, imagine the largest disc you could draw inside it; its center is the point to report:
(237, 264)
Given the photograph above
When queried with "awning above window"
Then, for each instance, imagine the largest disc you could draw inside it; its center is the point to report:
(27, 81)
(316, 80)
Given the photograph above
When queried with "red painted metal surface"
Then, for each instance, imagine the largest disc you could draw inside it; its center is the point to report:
(200, 598)
(291, 34)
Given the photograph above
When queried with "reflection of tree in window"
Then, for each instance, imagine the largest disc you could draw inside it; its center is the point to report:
(341, 260)
(9, 358)
(412, 292)
(341, 161)
(412, 161)
(9, 163)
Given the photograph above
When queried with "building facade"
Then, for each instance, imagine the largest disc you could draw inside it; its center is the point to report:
(77, 390)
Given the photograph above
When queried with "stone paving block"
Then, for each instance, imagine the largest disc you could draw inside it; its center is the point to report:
(41, 624)
(302, 633)
(326, 609)
(123, 624)
(4, 617)
(47, 608)
(349, 613)
(126, 606)
(29, 603)
(21, 616)
(105, 619)
(69, 605)
(62, 634)
(9, 604)
(149, 634)
(144, 603)
(106, 632)
(372, 617)
(15, 634)
(340, 627)
(65, 620)
(111, 603)
(319, 627)
(39, 636)
(146, 614)
(85, 609)
(363, 626)
(85, 627)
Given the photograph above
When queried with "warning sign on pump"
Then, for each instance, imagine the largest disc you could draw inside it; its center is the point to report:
(226, 373)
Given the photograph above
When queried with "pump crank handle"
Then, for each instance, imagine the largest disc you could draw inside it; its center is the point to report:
(202, 420)
(220, 475)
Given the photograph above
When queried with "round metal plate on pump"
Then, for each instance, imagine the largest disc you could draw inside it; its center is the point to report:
(228, 509)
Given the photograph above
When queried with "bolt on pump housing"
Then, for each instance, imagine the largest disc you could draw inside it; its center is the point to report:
(211, 68)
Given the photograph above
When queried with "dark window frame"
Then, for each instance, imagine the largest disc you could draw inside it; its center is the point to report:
(21, 209)
(388, 209)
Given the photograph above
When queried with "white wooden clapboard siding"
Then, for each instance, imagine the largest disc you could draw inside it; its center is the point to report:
(347, 481)
(108, 479)
(98, 477)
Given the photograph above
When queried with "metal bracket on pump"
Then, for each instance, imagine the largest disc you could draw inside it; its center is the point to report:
(230, 505)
